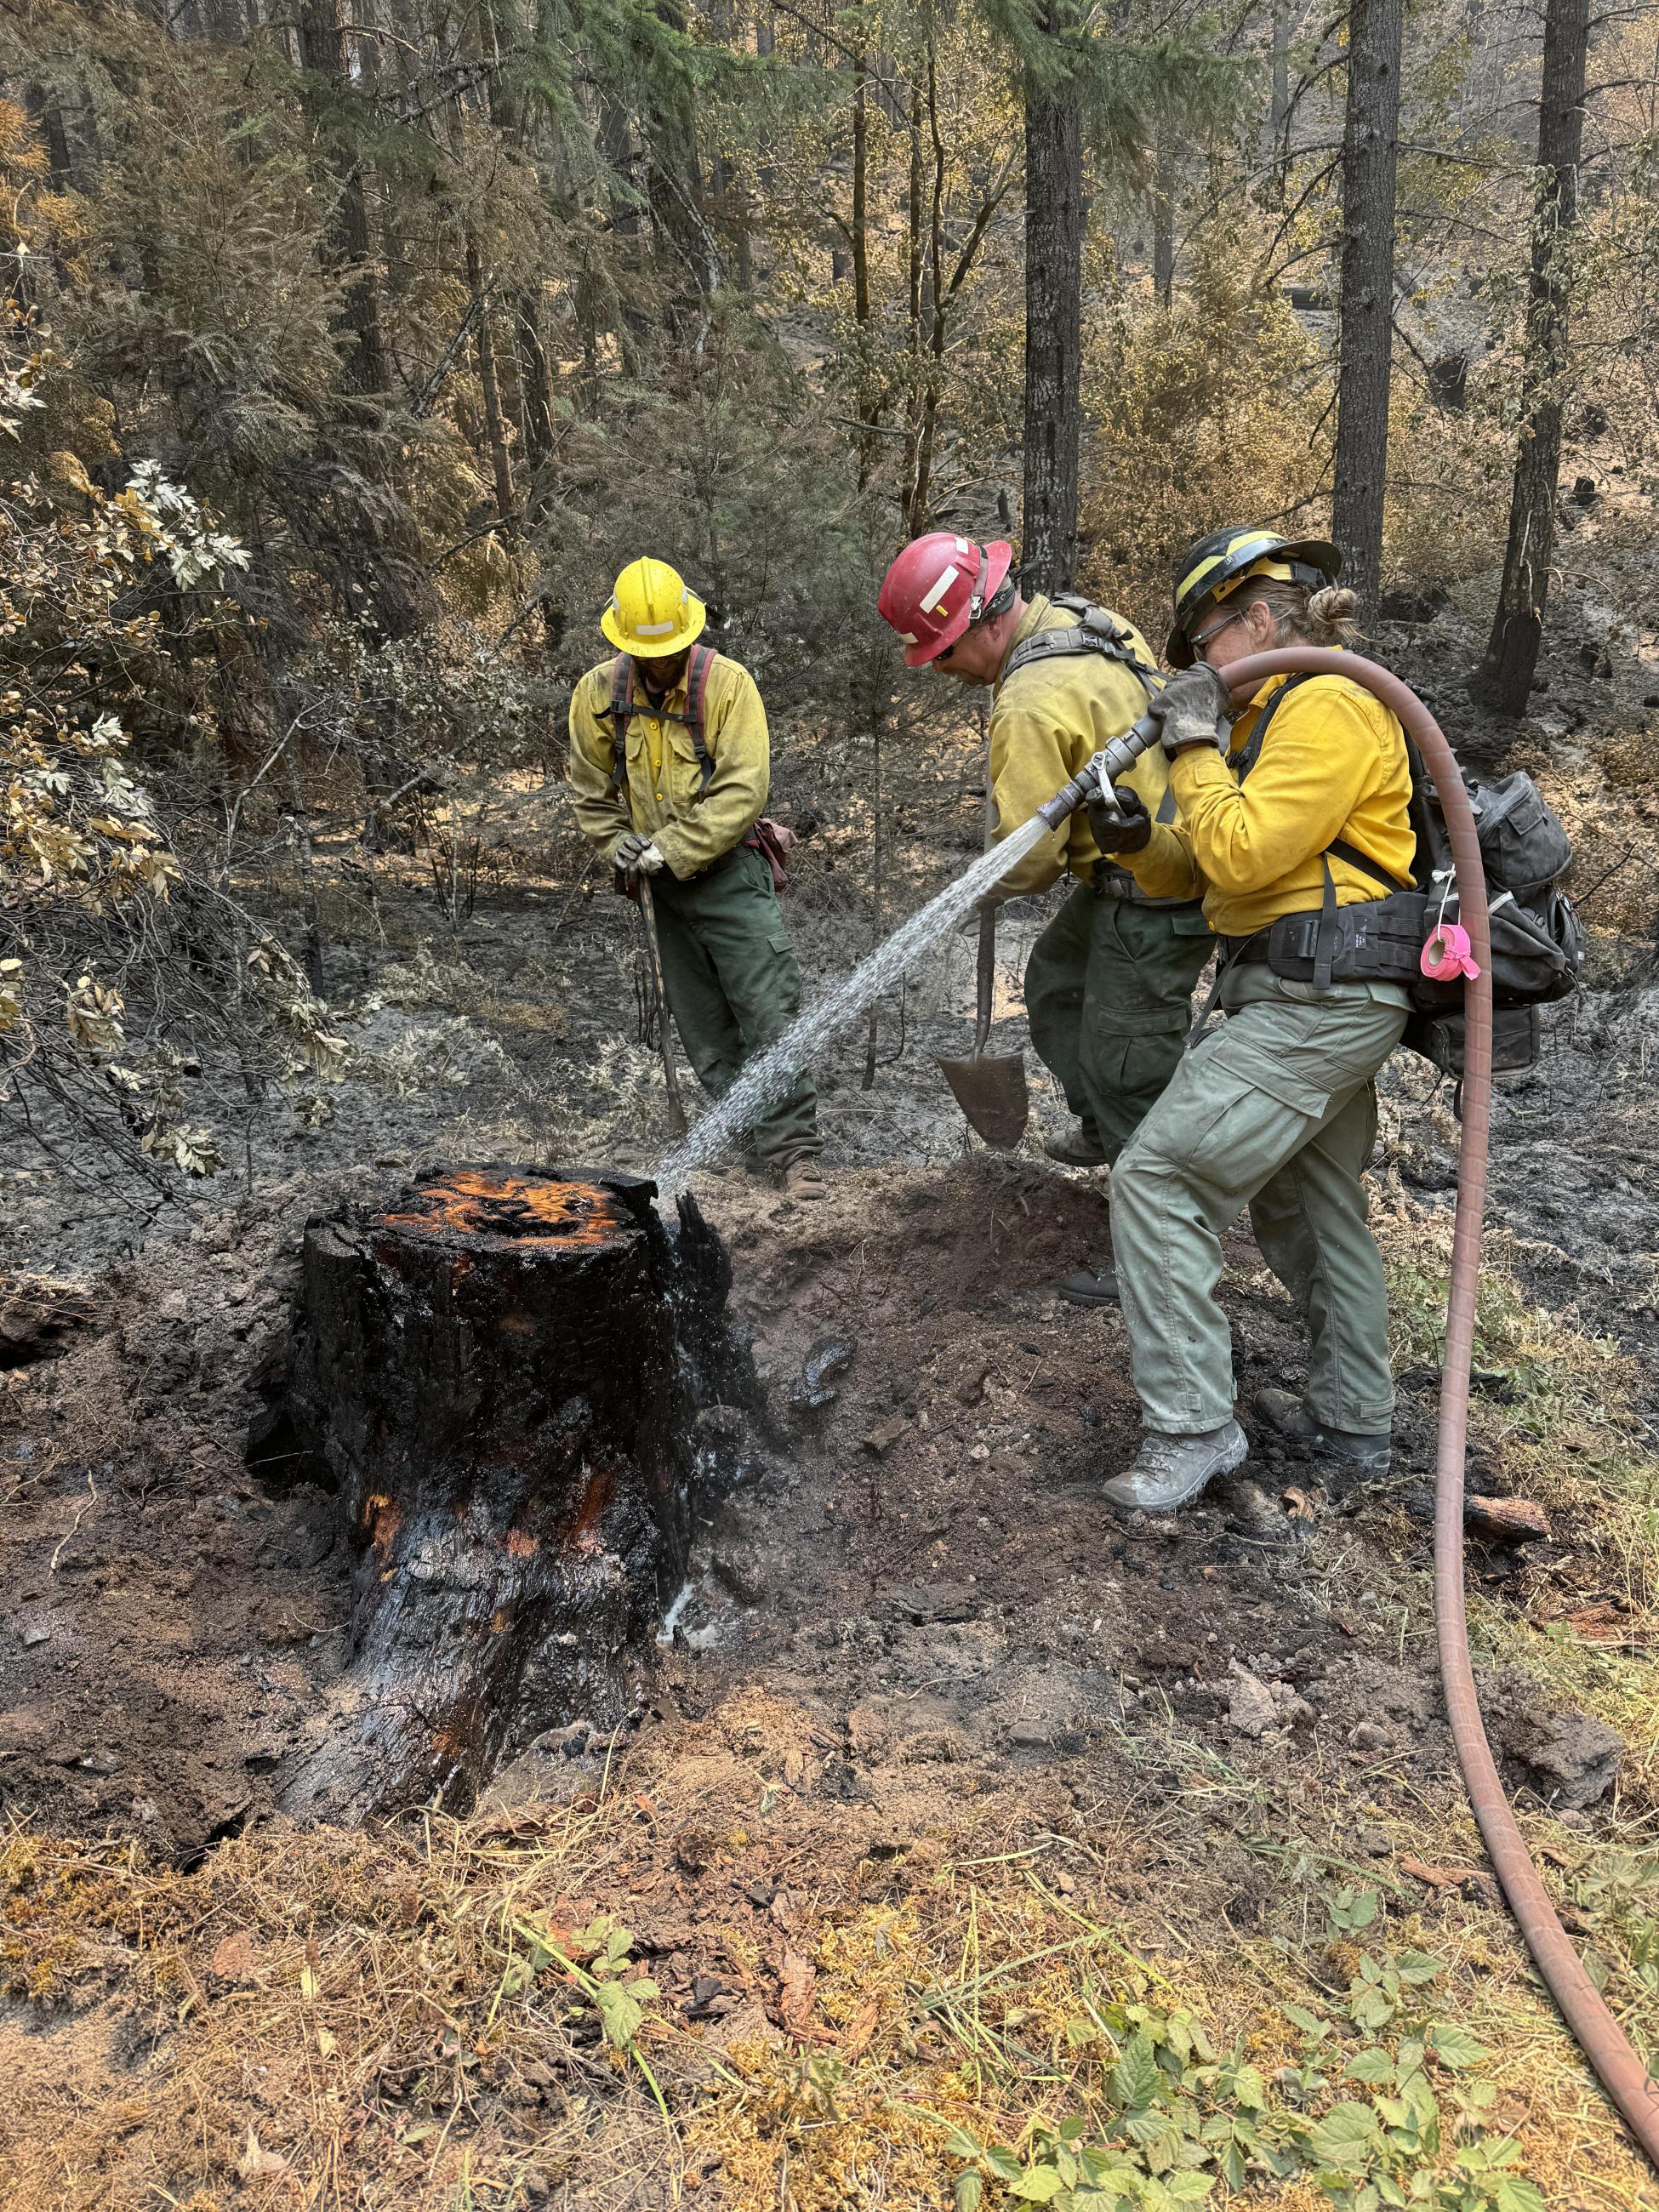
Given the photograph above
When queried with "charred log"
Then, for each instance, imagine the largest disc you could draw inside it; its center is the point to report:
(503, 1370)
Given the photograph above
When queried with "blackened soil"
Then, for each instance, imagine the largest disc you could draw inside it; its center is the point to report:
(921, 1564)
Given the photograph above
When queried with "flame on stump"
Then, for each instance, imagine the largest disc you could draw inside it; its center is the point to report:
(502, 1368)
(499, 1202)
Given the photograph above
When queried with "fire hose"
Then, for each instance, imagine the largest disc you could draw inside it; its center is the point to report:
(1604, 2042)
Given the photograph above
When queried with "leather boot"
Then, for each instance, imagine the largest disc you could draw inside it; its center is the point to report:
(1279, 1410)
(1095, 1284)
(1172, 1471)
(1078, 1147)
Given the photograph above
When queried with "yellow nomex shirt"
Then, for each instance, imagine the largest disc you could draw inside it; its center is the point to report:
(1332, 765)
(660, 798)
(1049, 718)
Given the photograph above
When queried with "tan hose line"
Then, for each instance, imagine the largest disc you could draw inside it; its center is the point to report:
(1609, 2049)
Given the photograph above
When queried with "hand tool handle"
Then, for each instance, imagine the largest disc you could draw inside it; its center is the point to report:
(677, 1124)
(986, 978)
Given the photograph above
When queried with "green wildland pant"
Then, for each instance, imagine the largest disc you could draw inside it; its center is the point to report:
(733, 987)
(1276, 1110)
(1109, 991)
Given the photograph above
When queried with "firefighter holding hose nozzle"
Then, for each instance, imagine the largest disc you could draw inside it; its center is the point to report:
(1109, 984)
(1294, 823)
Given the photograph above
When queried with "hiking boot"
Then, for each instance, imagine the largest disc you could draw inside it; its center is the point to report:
(804, 1178)
(1079, 1148)
(1171, 1471)
(1095, 1284)
(1279, 1410)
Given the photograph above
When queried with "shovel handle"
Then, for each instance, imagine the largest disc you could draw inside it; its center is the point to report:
(677, 1124)
(987, 979)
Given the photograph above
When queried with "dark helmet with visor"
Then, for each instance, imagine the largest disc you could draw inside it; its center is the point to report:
(1215, 567)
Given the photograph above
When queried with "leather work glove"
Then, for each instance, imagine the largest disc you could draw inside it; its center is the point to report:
(1192, 710)
(1133, 834)
(635, 854)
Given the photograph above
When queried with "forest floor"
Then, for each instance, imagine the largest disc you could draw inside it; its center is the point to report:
(960, 1817)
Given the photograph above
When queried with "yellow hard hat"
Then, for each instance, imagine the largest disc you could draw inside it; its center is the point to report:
(651, 613)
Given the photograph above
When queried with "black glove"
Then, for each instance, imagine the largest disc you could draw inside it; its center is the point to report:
(1192, 710)
(1133, 834)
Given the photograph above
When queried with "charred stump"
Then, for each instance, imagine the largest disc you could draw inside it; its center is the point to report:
(503, 1370)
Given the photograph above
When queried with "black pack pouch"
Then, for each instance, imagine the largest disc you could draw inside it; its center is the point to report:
(1440, 1038)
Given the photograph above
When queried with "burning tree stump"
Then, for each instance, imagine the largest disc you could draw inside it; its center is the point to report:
(503, 1369)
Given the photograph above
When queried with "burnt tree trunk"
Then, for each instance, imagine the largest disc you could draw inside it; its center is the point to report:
(503, 1370)
(1371, 154)
(1054, 324)
(1505, 677)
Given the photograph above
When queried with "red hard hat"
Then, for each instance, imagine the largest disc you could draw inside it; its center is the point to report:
(938, 586)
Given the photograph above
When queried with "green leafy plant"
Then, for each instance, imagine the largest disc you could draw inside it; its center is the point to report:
(599, 1962)
(1381, 2108)
(1351, 1909)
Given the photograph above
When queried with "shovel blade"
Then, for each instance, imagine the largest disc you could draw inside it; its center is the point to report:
(991, 1092)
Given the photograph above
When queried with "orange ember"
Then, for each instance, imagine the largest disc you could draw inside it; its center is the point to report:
(497, 1202)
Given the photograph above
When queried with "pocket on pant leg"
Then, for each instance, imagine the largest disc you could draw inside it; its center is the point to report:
(772, 997)
(1232, 1117)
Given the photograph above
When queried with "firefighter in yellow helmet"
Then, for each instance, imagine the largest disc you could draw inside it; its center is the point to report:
(1294, 822)
(670, 766)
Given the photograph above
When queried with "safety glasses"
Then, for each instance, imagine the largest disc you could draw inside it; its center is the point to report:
(1215, 629)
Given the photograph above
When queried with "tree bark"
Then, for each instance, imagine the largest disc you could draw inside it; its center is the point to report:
(916, 487)
(932, 368)
(1504, 678)
(535, 381)
(1370, 149)
(323, 48)
(1054, 326)
(503, 1372)
(859, 241)
(495, 428)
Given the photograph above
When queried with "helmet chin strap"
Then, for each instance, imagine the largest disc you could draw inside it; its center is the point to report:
(977, 597)
(1002, 600)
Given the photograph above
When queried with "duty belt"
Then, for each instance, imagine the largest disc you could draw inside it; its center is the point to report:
(1108, 882)
(1239, 952)
(1375, 941)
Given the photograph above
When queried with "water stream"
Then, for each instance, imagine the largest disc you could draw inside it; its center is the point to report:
(767, 1079)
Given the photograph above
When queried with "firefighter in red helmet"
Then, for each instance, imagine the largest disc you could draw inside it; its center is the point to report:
(1109, 984)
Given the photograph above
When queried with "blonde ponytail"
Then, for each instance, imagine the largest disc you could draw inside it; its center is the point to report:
(1331, 614)
(1324, 618)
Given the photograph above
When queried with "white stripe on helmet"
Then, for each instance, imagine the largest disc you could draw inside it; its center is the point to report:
(937, 590)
